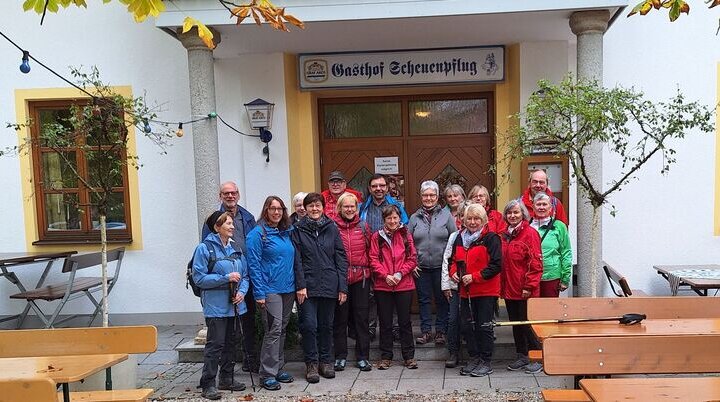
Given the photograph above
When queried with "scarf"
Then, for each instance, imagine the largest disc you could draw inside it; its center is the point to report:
(315, 225)
(469, 238)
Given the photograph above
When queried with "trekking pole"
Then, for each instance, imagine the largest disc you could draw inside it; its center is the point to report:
(239, 328)
(462, 271)
(626, 319)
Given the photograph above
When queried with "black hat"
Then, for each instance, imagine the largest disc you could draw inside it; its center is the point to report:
(336, 175)
(212, 219)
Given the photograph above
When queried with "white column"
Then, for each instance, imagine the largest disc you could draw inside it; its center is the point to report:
(589, 27)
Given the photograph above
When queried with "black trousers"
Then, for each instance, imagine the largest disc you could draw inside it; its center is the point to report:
(317, 316)
(353, 312)
(219, 351)
(480, 338)
(525, 339)
(247, 321)
(400, 302)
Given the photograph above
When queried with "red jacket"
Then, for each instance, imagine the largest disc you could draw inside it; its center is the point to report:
(483, 260)
(394, 259)
(331, 201)
(496, 223)
(558, 208)
(522, 262)
(357, 247)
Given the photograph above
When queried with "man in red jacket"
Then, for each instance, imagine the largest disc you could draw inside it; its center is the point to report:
(336, 187)
(538, 183)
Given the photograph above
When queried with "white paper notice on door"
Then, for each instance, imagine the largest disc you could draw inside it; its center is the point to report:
(387, 165)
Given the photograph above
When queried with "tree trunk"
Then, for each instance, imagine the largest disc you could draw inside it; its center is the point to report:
(594, 257)
(103, 250)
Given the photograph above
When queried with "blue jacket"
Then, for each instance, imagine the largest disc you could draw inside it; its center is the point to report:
(390, 200)
(216, 289)
(271, 255)
(242, 217)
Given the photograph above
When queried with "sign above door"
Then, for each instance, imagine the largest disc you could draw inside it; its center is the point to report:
(409, 67)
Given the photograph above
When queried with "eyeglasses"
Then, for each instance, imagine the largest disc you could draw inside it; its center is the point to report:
(276, 209)
(336, 182)
(229, 193)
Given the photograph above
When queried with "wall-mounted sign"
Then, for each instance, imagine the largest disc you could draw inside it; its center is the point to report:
(432, 66)
(387, 165)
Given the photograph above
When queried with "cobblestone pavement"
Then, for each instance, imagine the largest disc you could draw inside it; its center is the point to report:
(431, 381)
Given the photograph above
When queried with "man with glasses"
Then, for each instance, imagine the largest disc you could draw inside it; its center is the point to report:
(336, 187)
(244, 222)
(538, 183)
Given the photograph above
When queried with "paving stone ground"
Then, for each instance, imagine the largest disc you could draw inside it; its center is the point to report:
(430, 382)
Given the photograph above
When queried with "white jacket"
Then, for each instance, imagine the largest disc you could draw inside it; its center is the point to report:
(445, 282)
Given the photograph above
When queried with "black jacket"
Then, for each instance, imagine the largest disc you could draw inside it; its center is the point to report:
(320, 260)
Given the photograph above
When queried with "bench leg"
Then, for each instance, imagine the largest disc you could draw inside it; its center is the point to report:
(66, 392)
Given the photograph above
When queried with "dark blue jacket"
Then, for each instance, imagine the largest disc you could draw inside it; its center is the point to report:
(270, 256)
(320, 260)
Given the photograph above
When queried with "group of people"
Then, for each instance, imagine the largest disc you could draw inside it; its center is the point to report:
(348, 262)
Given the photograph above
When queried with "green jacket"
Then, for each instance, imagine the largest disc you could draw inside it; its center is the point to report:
(557, 252)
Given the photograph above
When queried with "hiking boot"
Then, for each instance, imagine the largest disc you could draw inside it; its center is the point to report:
(231, 386)
(270, 384)
(424, 338)
(327, 370)
(285, 377)
(439, 338)
(472, 365)
(411, 364)
(384, 364)
(364, 365)
(519, 364)
(211, 393)
(340, 364)
(483, 369)
(452, 360)
(311, 373)
(533, 368)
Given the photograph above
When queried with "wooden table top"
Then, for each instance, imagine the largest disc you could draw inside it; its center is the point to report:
(29, 257)
(687, 326)
(653, 389)
(61, 369)
(693, 282)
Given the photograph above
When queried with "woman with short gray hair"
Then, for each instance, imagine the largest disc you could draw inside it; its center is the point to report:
(430, 226)
(556, 248)
(454, 195)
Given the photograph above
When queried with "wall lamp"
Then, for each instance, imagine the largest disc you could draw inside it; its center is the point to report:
(260, 114)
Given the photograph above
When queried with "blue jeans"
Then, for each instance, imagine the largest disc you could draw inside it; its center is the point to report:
(453, 330)
(428, 287)
(316, 317)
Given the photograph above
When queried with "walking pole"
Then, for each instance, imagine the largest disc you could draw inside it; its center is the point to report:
(462, 270)
(239, 328)
(626, 319)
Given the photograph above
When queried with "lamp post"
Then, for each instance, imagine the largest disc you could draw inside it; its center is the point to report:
(260, 113)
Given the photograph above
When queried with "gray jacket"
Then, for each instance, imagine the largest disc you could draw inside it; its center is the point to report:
(431, 237)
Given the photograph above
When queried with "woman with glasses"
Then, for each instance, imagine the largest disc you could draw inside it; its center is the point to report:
(271, 256)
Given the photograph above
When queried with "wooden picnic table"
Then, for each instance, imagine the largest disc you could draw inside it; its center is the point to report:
(698, 285)
(61, 369)
(648, 327)
(655, 389)
(10, 261)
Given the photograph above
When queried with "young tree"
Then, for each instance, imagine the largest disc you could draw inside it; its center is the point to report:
(564, 119)
(98, 127)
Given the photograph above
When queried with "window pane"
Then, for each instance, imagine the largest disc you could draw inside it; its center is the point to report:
(106, 129)
(104, 167)
(52, 120)
(61, 212)
(115, 218)
(58, 170)
(460, 116)
(356, 120)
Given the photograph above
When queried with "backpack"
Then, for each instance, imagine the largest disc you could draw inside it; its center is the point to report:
(190, 282)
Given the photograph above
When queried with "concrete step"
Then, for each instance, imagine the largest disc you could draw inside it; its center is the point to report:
(188, 352)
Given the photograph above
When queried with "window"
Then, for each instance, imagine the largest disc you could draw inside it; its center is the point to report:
(357, 120)
(66, 182)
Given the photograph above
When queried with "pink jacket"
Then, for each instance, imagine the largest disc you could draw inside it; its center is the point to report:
(391, 255)
(356, 240)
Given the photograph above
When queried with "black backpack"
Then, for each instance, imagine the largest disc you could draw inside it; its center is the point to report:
(190, 282)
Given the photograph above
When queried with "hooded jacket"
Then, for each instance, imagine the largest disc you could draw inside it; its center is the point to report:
(483, 260)
(557, 252)
(445, 282)
(215, 296)
(356, 240)
(394, 259)
(331, 201)
(430, 237)
(271, 256)
(558, 209)
(243, 219)
(320, 260)
(522, 262)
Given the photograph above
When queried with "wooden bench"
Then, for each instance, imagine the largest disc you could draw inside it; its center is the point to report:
(654, 307)
(75, 286)
(565, 395)
(614, 277)
(82, 341)
(27, 389)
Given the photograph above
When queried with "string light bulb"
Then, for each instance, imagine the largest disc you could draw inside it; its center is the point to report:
(179, 131)
(212, 115)
(25, 65)
(146, 128)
